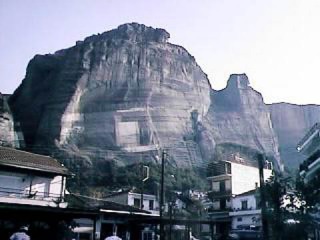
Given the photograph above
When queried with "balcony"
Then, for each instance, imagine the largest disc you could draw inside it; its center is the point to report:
(24, 196)
(245, 212)
(219, 214)
(308, 138)
(219, 169)
(309, 161)
(219, 194)
(218, 209)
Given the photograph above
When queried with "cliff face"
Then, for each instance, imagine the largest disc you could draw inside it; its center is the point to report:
(8, 136)
(238, 115)
(117, 95)
(291, 122)
(123, 94)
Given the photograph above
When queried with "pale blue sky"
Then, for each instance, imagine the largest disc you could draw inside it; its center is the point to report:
(276, 42)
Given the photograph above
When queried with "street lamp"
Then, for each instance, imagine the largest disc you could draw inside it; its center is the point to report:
(145, 177)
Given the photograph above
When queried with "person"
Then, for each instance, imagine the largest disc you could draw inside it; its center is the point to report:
(21, 234)
(114, 237)
(191, 237)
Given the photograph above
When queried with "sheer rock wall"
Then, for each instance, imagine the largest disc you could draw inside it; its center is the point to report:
(8, 135)
(123, 94)
(120, 94)
(238, 115)
(291, 122)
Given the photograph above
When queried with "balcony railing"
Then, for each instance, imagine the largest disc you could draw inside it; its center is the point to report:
(314, 128)
(245, 209)
(219, 194)
(309, 161)
(27, 194)
(219, 209)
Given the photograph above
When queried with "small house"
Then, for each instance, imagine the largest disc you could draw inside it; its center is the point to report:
(32, 179)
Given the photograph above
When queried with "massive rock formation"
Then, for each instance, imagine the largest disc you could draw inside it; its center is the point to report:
(291, 122)
(238, 115)
(8, 136)
(116, 95)
(123, 94)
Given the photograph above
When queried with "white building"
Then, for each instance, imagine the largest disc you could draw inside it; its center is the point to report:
(27, 178)
(310, 168)
(233, 178)
(150, 202)
(246, 211)
(230, 178)
(310, 147)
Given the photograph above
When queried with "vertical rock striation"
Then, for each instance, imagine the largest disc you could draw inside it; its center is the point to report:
(8, 135)
(238, 115)
(127, 92)
(118, 94)
(291, 122)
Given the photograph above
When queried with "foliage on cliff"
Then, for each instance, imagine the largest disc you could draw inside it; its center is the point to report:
(109, 177)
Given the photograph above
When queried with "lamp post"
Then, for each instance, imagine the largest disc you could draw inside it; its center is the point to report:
(145, 177)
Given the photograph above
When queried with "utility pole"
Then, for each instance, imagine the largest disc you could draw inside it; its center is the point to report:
(145, 177)
(162, 196)
(261, 161)
(142, 189)
(170, 217)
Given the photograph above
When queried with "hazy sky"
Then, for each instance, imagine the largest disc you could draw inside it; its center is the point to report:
(275, 42)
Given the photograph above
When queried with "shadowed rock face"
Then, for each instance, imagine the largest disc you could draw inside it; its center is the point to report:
(8, 136)
(117, 94)
(291, 122)
(238, 115)
(124, 93)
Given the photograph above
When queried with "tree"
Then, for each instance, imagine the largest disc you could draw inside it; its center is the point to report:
(287, 213)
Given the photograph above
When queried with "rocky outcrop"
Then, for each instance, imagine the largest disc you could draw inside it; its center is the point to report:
(238, 115)
(291, 122)
(8, 136)
(118, 95)
(123, 94)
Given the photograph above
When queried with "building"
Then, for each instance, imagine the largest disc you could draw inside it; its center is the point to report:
(110, 217)
(246, 211)
(230, 178)
(32, 179)
(310, 147)
(130, 198)
(33, 192)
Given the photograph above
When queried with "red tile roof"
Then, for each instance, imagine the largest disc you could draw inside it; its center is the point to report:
(11, 157)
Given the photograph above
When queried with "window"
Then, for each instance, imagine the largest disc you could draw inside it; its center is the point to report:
(228, 185)
(239, 219)
(244, 205)
(222, 204)
(222, 186)
(136, 202)
(268, 165)
(228, 168)
(151, 204)
(215, 186)
(216, 205)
